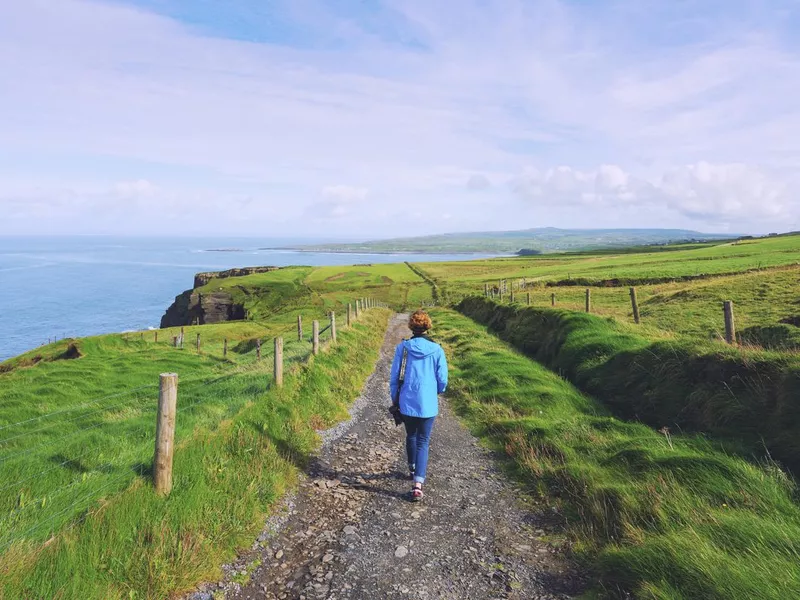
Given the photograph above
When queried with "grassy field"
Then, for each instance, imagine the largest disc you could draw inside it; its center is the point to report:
(680, 291)
(626, 268)
(667, 516)
(78, 516)
(395, 284)
(680, 288)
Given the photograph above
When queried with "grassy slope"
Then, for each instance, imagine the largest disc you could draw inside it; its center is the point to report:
(233, 461)
(747, 394)
(667, 519)
(75, 431)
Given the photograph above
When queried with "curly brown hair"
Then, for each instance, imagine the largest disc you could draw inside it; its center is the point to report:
(419, 322)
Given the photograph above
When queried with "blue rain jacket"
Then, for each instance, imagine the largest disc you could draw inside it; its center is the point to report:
(425, 377)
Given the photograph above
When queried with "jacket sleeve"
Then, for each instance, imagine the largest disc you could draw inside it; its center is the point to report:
(394, 377)
(441, 372)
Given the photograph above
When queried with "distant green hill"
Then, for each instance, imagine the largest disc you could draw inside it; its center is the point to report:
(542, 239)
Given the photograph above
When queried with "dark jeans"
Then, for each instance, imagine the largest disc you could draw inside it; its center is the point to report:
(418, 438)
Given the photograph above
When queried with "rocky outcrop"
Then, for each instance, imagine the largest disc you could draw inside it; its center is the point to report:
(192, 307)
(203, 278)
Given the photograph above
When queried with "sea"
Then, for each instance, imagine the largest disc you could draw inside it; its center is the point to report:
(75, 286)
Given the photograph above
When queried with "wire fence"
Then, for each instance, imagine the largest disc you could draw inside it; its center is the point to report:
(55, 466)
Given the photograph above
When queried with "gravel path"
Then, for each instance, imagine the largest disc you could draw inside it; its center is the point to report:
(350, 532)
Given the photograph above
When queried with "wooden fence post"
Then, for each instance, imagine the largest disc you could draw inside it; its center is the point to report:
(181, 337)
(198, 342)
(588, 300)
(635, 306)
(315, 337)
(553, 299)
(529, 299)
(165, 432)
(225, 348)
(175, 340)
(279, 361)
(512, 295)
(358, 307)
(349, 313)
(299, 328)
(730, 328)
(258, 349)
(333, 327)
(155, 336)
(485, 290)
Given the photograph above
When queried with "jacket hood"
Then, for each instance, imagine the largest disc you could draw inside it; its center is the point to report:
(419, 347)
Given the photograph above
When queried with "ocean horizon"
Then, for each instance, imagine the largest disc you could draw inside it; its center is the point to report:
(76, 286)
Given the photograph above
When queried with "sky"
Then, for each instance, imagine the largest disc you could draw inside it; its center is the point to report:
(366, 119)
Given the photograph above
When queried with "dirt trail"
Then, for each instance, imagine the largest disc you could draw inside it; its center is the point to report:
(351, 533)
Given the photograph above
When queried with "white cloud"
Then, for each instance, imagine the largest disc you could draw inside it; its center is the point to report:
(703, 191)
(345, 193)
(490, 88)
(478, 182)
(339, 201)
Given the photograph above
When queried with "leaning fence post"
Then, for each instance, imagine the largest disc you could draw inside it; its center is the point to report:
(635, 306)
(588, 300)
(315, 337)
(279, 361)
(165, 432)
(299, 328)
(333, 327)
(225, 348)
(349, 315)
(258, 349)
(730, 328)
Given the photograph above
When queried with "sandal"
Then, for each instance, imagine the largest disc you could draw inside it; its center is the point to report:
(416, 492)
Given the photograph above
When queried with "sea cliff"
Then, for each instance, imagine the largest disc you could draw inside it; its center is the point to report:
(208, 306)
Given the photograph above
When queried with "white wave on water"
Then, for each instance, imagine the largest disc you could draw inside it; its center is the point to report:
(28, 267)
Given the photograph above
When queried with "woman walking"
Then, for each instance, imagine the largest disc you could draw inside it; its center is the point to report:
(419, 375)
